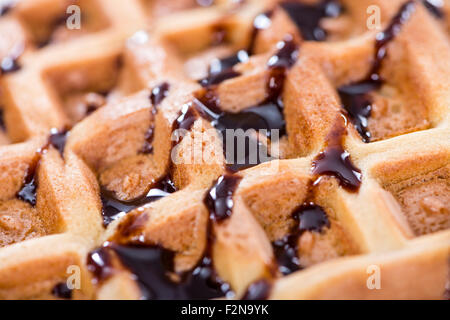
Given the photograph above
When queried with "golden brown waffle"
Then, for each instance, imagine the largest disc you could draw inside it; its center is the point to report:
(328, 209)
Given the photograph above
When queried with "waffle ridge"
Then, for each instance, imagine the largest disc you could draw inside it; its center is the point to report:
(92, 174)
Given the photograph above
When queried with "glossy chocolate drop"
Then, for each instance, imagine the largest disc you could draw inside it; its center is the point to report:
(62, 291)
(99, 263)
(222, 69)
(278, 64)
(219, 199)
(358, 103)
(2, 120)
(159, 93)
(259, 290)
(6, 6)
(266, 117)
(28, 192)
(114, 208)
(307, 17)
(187, 118)
(286, 55)
(153, 268)
(309, 217)
(261, 22)
(9, 65)
(335, 160)
(435, 7)
(58, 140)
(29, 188)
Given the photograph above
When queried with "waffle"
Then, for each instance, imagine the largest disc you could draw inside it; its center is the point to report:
(114, 168)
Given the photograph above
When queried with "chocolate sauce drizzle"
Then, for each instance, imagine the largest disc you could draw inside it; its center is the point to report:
(9, 64)
(259, 290)
(159, 93)
(2, 120)
(309, 217)
(356, 97)
(99, 263)
(266, 116)
(28, 192)
(335, 160)
(307, 17)
(261, 22)
(222, 69)
(62, 291)
(114, 208)
(219, 199)
(434, 7)
(6, 7)
(153, 266)
(58, 139)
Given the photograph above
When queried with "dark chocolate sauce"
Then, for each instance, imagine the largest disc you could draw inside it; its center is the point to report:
(159, 93)
(99, 263)
(222, 69)
(286, 56)
(28, 192)
(307, 17)
(62, 291)
(309, 217)
(92, 106)
(205, 3)
(259, 290)
(2, 120)
(58, 21)
(114, 208)
(58, 139)
(388, 35)
(435, 7)
(219, 199)
(266, 116)
(335, 160)
(7, 6)
(358, 103)
(153, 266)
(356, 97)
(185, 121)
(262, 21)
(9, 64)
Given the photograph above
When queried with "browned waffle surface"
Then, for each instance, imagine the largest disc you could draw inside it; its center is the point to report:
(116, 183)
